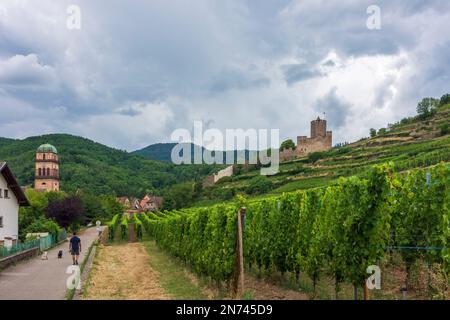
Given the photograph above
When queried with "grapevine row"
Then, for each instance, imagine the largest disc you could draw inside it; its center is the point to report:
(338, 231)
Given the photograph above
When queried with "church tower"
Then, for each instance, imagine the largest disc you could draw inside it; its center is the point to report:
(47, 168)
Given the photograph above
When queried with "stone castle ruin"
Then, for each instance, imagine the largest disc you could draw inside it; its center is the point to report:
(320, 140)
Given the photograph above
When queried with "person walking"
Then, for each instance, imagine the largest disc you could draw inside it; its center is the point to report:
(75, 248)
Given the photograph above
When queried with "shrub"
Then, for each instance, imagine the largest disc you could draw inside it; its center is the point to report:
(137, 227)
(288, 144)
(445, 99)
(314, 156)
(381, 131)
(124, 227)
(444, 129)
(259, 185)
(112, 226)
(426, 107)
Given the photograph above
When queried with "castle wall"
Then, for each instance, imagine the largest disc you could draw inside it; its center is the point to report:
(307, 145)
(212, 179)
(208, 181)
(227, 172)
(288, 155)
(319, 143)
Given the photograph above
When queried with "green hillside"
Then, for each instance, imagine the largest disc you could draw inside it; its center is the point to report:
(412, 142)
(97, 168)
(163, 151)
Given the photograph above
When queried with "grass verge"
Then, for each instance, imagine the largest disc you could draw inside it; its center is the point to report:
(173, 277)
(71, 292)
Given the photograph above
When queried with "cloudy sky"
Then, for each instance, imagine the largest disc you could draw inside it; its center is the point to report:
(137, 70)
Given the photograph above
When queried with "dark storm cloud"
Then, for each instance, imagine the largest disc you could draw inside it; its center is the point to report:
(299, 72)
(336, 110)
(329, 63)
(163, 64)
(231, 79)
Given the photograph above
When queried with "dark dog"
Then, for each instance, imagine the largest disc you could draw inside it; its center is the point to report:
(60, 253)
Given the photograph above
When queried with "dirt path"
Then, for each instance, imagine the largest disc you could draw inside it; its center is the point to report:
(132, 271)
(263, 290)
(123, 272)
(38, 279)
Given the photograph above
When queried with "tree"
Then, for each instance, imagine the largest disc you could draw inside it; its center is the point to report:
(109, 208)
(381, 131)
(287, 144)
(92, 207)
(259, 185)
(198, 188)
(66, 212)
(373, 133)
(426, 107)
(314, 156)
(444, 129)
(179, 196)
(32, 218)
(41, 225)
(445, 99)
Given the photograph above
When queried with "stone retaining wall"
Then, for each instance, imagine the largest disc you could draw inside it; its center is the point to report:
(5, 262)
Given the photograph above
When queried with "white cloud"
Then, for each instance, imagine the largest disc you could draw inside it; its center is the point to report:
(127, 131)
(26, 71)
(136, 71)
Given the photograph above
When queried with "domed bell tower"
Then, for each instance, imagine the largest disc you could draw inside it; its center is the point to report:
(47, 168)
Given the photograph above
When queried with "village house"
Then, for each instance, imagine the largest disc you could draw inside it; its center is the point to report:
(151, 203)
(124, 201)
(11, 198)
(135, 203)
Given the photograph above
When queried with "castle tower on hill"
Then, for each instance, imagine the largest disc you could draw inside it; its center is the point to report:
(47, 168)
(318, 128)
(320, 140)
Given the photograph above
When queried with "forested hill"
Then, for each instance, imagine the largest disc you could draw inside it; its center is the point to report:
(97, 168)
(163, 151)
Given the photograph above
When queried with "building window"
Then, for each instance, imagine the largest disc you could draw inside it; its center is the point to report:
(6, 192)
(1, 222)
(1, 193)
(39, 172)
(48, 171)
(43, 156)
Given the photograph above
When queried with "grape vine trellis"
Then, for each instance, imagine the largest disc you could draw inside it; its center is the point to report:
(337, 231)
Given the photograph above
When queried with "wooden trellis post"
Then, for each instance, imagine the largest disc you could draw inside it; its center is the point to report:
(238, 285)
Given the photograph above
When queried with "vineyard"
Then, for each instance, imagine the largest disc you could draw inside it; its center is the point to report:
(337, 231)
(411, 144)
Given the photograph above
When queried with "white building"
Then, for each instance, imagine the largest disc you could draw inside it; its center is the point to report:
(11, 198)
